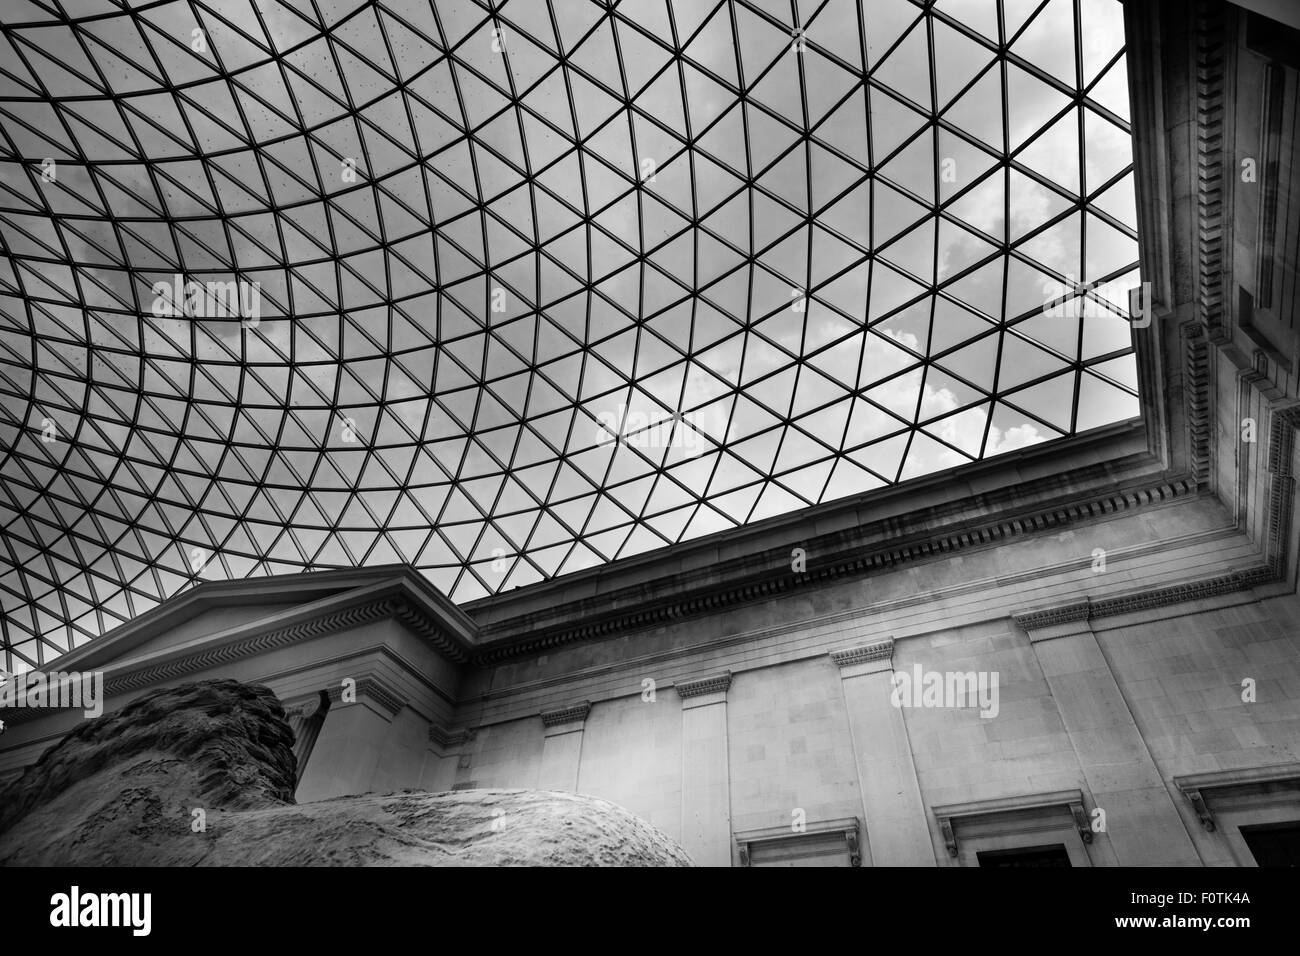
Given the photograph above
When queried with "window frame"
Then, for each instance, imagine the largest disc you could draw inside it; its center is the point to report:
(1017, 822)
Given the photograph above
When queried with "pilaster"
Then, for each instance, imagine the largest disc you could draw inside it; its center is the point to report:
(897, 831)
(1142, 823)
(706, 784)
(562, 747)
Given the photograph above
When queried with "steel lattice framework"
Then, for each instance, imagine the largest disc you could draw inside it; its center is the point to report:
(507, 290)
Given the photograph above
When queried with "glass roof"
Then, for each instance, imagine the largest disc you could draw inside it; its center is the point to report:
(509, 290)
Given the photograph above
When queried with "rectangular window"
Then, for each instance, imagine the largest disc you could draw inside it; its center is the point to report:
(1054, 855)
(816, 843)
(1274, 844)
(825, 849)
(1036, 829)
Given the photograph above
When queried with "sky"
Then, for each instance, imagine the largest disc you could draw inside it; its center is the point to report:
(536, 287)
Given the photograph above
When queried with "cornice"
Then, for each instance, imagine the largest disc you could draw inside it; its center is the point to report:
(379, 600)
(1281, 439)
(1211, 55)
(423, 625)
(1181, 593)
(1089, 609)
(340, 620)
(1281, 448)
(225, 653)
(1283, 425)
(851, 562)
(1196, 400)
(248, 647)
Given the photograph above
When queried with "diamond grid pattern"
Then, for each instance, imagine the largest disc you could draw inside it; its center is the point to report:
(541, 284)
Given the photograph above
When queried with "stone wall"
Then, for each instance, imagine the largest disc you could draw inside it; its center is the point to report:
(1115, 707)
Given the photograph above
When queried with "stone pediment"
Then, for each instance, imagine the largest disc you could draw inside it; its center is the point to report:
(220, 622)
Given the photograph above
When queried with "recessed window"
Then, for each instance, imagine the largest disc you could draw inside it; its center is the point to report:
(820, 850)
(1275, 844)
(1054, 855)
(1037, 829)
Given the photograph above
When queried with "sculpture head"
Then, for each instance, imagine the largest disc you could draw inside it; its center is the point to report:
(203, 774)
(230, 738)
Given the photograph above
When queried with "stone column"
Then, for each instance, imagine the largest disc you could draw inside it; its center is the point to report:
(348, 748)
(898, 833)
(306, 716)
(442, 758)
(706, 771)
(1142, 823)
(562, 747)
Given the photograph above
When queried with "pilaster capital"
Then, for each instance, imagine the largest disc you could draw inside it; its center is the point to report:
(705, 690)
(372, 692)
(1064, 620)
(445, 738)
(566, 719)
(873, 658)
(305, 706)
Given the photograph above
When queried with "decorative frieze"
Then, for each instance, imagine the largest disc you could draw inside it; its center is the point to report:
(1173, 594)
(1090, 609)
